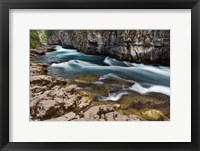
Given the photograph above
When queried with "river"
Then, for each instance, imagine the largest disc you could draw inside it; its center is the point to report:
(98, 71)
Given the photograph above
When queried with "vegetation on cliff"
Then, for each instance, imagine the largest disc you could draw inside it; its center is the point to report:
(37, 37)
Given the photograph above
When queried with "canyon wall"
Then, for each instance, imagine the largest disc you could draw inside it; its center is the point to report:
(140, 46)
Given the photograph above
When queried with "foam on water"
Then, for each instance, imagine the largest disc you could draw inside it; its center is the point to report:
(137, 88)
(113, 62)
(145, 78)
(114, 96)
(139, 74)
(110, 75)
(79, 63)
(155, 88)
(159, 70)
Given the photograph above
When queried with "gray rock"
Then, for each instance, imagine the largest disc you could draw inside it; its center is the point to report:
(118, 43)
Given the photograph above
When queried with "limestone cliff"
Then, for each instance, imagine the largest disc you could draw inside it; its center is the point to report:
(140, 46)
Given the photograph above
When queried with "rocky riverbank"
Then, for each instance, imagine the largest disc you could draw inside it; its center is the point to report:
(55, 99)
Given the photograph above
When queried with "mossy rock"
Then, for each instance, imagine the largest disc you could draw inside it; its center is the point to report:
(154, 115)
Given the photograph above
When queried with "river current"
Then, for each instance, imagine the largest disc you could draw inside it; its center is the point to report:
(71, 64)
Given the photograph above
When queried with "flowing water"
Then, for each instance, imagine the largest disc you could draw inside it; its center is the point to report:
(109, 78)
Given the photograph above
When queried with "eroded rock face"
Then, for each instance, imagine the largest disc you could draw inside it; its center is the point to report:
(142, 46)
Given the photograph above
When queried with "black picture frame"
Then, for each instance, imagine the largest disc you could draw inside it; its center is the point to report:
(5, 5)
